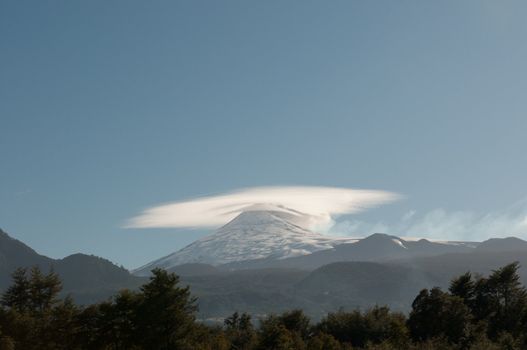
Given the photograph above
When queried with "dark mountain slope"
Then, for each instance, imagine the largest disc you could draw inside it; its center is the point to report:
(86, 278)
(195, 270)
(353, 285)
(440, 269)
(259, 292)
(13, 254)
(503, 245)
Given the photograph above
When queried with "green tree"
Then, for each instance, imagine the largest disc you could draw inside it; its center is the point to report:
(438, 314)
(501, 302)
(210, 338)
(374, 326)
(164, 317)
(463, 287)
(116, 322)
(273, 335)
(17, 296)
(43, 289)
(32, 306)
(240, 331)
(6, 343)
(289, 330)
(323, 341)
(296, 322)
(508, 300)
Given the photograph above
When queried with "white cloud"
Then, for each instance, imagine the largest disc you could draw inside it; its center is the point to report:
(319, 203)
(448, 225)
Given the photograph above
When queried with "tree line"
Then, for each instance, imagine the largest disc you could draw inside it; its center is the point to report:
(475, 312)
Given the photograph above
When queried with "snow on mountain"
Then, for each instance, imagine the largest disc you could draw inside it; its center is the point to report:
(376, 247)
(261, 231)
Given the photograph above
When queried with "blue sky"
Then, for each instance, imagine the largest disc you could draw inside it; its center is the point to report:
(108, 108)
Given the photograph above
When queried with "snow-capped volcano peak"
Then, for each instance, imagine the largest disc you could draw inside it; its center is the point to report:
(260, 231)
(253, 214)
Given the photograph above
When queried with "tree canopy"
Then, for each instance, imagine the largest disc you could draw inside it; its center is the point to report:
(475, 312)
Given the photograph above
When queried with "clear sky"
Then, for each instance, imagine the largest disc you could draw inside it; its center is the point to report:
(110, 107)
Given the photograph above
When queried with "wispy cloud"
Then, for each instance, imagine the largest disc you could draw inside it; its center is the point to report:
(320, 203)
(444, 224)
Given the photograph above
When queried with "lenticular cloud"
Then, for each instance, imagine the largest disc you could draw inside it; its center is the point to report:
(318, 203)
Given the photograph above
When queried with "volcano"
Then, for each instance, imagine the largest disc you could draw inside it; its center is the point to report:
(259, 232)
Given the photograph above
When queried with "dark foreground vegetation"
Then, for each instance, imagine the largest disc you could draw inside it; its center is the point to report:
(475, 313)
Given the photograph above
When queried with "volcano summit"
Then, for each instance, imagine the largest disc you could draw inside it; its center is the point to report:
(262, 231)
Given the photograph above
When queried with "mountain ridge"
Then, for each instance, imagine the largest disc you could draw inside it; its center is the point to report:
(350, 284)
(273, 237)
(376, 247)
(87, 278)
(253, 234)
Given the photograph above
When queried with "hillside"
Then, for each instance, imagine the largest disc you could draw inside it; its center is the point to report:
(86, 278)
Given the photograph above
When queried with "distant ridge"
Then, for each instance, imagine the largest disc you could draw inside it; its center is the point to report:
(503, 244)
(87, 278)
(377, 247)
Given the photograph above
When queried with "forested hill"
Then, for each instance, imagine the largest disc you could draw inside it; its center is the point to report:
(86, 278)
